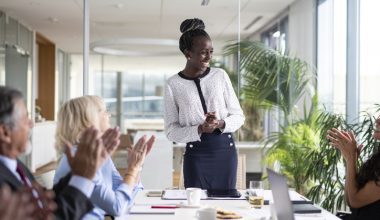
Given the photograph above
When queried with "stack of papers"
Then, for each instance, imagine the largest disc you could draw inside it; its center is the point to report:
(181, 195)
(175, 194)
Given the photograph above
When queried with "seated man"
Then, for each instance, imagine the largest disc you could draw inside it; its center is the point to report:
(73, 192)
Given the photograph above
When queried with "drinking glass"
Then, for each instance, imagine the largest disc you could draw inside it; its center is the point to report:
(256, 194)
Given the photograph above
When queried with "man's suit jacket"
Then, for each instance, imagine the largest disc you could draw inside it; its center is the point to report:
(72, 204)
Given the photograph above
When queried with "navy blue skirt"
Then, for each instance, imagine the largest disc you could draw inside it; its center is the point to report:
(211, 163)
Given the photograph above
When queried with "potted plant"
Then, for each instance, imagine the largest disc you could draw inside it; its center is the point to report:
(273, 80)
(252, 130)
(327, 170)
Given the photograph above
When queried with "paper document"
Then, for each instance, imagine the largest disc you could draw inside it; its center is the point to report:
(175, 194)
(181, 195)
(147, 209)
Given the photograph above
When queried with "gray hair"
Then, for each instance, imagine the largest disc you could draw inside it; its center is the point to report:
(8, 97)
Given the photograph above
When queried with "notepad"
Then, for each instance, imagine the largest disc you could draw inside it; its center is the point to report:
(294, 197)
(174, 194)
(305, 209)
(146, 209)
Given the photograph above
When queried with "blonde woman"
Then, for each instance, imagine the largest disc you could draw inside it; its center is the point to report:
(112, 193)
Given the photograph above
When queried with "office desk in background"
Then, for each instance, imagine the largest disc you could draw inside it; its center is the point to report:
(241, 207)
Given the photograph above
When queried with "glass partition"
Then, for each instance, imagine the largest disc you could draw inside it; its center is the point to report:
(146, 53)
(15, 56)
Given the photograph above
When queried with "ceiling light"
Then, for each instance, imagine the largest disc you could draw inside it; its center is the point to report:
(205, 2)
(108, 46)
(53, 19)
(276, 34)
(34, 3)
(119, 5)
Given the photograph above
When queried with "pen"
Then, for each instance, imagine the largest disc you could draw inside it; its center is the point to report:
(164, 206)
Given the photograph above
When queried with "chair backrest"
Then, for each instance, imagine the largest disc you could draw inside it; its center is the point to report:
(159, 162)
(240, 174)
(125, 142)
(181, 182)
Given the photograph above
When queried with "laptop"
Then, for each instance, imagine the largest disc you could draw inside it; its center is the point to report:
(284, 207)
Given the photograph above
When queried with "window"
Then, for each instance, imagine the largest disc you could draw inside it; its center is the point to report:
(369, 55)
(331, 54)
(276, 37)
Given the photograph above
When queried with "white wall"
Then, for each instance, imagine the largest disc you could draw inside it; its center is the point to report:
(302, 38)
(302, 29)
(43, 144)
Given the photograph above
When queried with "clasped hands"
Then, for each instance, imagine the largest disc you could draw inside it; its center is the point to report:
(211, 123)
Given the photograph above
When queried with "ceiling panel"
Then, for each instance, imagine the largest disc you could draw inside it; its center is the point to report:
(61, 20)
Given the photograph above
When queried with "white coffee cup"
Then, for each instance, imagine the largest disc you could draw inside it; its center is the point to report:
(206, 214)
(193, 196)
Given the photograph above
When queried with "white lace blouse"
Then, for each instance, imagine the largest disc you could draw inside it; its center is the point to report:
(183, 108)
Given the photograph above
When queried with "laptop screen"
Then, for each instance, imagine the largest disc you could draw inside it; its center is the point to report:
(280, 191)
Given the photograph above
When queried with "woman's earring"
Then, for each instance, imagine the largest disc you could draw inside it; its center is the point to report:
(188, 58)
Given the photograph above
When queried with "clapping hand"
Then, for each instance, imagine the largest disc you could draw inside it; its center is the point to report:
(16, 205)
(90, 154)
(345, 142)
(137, 154)
(111, 139)
(43, 201)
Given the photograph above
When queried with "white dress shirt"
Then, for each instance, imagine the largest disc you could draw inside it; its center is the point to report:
(183, 108)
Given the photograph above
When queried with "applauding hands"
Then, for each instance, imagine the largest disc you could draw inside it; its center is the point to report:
(136, 158)
(345, 142)
(92, 151)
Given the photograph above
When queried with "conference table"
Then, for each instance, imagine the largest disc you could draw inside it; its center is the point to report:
(143, 211)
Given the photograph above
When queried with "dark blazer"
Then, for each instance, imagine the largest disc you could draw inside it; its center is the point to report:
(72, 204)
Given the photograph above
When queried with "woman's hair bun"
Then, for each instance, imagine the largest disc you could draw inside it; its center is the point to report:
(192, 24)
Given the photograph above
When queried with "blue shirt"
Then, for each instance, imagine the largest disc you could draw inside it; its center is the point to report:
(110, 196)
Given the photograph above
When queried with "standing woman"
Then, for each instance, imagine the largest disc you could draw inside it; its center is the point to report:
(202, 110)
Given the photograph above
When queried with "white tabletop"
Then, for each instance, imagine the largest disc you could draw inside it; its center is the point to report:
(241, 207)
